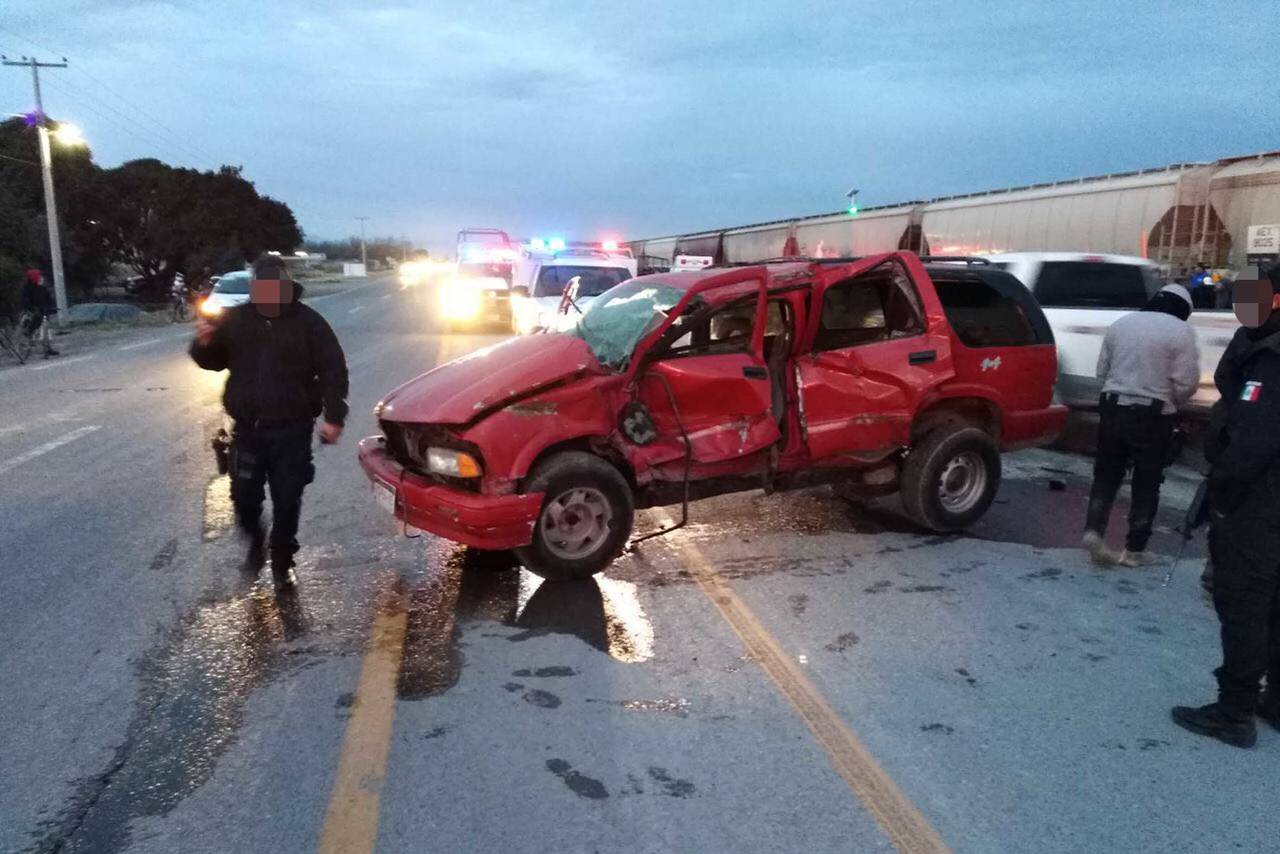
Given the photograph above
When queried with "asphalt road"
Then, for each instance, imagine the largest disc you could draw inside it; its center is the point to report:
(788, 673)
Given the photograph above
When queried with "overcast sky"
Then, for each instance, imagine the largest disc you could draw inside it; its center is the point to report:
(640, 119)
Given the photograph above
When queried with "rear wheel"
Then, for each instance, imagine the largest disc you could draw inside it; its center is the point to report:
(585, 520)
(950, 478)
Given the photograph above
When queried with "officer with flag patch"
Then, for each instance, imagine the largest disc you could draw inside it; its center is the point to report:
(1243, 449)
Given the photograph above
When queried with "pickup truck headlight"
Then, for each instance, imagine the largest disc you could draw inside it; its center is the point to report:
(451, 463)
(460, 301)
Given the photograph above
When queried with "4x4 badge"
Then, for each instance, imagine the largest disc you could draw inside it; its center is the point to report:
(991, 364)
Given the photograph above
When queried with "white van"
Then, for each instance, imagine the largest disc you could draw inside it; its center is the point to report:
(1083, 293)
(540, 276)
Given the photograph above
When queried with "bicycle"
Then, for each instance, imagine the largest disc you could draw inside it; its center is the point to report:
(18, 338)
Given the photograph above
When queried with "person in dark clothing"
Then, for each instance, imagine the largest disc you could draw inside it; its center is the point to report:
(1149, 363)
(1201, 286)
(1243, 450)
(37, 300)
(286, 369)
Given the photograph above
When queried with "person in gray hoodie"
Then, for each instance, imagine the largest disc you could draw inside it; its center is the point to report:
(1149, 365)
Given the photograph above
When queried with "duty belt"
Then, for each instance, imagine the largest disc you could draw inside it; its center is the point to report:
(274, 423)
(1156, 405)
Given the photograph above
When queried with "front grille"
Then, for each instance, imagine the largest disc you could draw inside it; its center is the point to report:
(403, 440)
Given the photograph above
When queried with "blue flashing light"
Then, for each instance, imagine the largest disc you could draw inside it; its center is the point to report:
(538, 243)
(556, 244)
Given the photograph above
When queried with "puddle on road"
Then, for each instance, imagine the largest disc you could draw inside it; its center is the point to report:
(471, 587)
(193, 688)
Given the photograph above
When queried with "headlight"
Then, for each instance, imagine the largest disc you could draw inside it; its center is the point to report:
(209, 308)
(461, 302)
(452, 463)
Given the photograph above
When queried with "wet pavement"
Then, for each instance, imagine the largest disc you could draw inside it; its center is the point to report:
(710, 692)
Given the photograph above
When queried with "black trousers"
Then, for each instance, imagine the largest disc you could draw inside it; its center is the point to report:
(1246, 595)
(278, 458)
(1129, 435)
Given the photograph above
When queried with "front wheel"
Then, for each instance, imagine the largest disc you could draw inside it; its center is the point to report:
(950, 478)
(585, 520)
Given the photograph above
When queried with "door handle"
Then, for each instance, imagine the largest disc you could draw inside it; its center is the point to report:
(752, 372)
(922, 357)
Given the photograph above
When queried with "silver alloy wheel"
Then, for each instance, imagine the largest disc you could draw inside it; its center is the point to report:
(963, 482)
(576, 522)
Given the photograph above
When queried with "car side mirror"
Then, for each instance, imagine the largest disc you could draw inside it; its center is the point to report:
(519, 291)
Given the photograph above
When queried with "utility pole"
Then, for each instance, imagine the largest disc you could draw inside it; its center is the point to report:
(364, 255)
(46, 170)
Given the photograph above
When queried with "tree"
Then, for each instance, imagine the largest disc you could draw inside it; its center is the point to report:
(23, 226)
(163, 220)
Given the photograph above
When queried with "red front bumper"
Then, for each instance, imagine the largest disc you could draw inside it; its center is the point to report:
(484, 521)
(1031, 428)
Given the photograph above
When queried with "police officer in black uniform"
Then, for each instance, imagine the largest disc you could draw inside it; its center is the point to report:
(286, 368)
(1243, 449)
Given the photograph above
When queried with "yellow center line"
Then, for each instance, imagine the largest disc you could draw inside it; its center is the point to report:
(901, 820)
(351, 821)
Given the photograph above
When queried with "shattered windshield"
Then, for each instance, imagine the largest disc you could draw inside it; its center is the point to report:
(621, 317)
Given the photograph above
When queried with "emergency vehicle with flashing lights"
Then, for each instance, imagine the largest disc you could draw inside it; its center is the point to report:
(554, 281)
(880, 375)
(479, 290)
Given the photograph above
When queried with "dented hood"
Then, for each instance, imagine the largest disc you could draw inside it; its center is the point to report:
(461, 390)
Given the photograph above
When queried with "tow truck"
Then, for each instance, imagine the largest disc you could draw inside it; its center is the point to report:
(554, 280)
(479, 291)
(879, 375)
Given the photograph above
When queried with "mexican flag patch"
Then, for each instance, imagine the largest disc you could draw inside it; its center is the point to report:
(1252, 391)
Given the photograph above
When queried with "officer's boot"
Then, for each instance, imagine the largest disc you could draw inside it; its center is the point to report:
(282, 569)
(256, 557)
(1269, 705)
(1217, 722)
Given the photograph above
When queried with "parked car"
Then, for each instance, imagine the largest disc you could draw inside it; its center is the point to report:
(230, 290)
(878, 374)
(1082, 294)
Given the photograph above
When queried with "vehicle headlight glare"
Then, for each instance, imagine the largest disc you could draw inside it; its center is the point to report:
(461, 302)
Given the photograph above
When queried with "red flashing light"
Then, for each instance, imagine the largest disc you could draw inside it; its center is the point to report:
(1093, 259)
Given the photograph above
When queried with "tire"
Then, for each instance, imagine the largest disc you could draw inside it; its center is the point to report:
(950, 478)
(597, 502)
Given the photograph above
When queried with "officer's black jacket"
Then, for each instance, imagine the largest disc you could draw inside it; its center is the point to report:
(290, 366)
(1243, 442)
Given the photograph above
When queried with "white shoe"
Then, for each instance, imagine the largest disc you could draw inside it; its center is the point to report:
(1137, 559)
(1097, 549)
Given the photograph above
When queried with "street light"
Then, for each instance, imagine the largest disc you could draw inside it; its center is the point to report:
(68, 135)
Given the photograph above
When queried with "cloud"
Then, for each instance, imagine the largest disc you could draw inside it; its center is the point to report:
(653, 117)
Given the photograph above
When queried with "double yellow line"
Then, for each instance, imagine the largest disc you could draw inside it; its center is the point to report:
(351, 822)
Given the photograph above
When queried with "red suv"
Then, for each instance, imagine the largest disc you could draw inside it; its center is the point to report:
(879, 374)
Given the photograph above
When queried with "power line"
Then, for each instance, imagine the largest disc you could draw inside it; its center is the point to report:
(166, 134)
(18, 160)
(123, 122)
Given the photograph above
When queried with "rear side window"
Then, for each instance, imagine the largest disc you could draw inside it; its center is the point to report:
(982, 316)
(876, 306)
(1091, 284)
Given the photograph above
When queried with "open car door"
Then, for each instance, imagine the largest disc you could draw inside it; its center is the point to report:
(874, 351)
(705, 381)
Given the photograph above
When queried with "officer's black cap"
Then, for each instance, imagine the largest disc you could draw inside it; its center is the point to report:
(271, 267)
